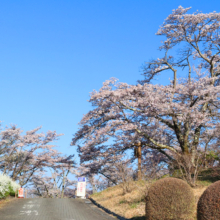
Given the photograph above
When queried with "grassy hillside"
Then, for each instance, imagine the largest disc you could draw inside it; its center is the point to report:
(131, 205)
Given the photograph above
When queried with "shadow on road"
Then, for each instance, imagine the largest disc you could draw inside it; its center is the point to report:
(138, 218)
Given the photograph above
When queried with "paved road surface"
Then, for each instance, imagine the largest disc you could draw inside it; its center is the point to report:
(52, 209)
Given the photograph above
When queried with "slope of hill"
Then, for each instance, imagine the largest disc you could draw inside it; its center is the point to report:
(131, 204)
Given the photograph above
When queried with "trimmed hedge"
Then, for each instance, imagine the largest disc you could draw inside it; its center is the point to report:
(170, 198)
(209, 203)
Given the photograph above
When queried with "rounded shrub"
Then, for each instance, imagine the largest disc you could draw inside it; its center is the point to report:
(209, 203)
(170, 198)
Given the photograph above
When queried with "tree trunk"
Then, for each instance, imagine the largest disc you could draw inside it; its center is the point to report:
(139, 160)
(63, 186)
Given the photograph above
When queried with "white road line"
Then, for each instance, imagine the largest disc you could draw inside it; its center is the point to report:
(29, 212)
(27, 208)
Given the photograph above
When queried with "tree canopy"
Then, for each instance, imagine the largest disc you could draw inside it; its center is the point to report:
(179, 120)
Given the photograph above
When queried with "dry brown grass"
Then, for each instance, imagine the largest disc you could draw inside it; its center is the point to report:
(128, 205)
(5, 201)
(132, 204)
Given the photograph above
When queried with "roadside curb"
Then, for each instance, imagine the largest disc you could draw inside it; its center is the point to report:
(107, 210)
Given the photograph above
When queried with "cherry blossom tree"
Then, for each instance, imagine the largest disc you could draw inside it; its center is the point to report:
(22, 155)
(64, 166)
(55, 181)
(196, 36)
(175, 119)
(154, 164)
(43, 185)
(115, 169)
(97, 183)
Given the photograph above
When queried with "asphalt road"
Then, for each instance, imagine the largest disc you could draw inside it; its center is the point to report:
(52, 209)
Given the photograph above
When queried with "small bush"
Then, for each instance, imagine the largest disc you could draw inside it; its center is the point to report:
(209, 203)
(168, 199)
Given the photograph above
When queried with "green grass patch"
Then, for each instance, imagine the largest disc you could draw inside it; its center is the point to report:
(203, 183)
(134, 205)
(122, 201)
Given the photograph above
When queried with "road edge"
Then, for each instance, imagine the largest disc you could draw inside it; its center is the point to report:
(107, 210)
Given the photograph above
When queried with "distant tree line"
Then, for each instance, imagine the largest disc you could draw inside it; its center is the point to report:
(31, 159)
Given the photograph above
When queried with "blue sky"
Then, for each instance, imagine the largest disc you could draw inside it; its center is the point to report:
(53, 53)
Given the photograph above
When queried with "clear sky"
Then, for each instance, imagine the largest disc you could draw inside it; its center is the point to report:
(53, 53)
